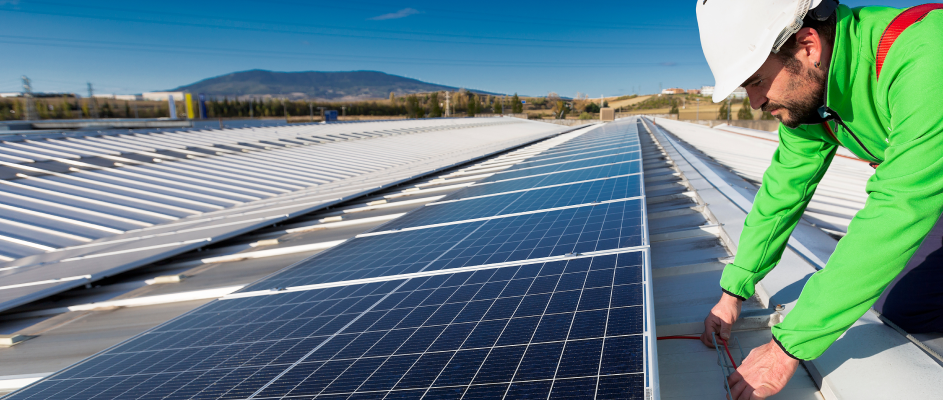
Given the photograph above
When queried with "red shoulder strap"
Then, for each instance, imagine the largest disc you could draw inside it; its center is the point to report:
(898, 25)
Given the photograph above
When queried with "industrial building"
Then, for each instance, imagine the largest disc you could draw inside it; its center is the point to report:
(450, 258)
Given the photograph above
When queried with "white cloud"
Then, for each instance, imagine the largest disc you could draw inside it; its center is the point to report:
(397, 15)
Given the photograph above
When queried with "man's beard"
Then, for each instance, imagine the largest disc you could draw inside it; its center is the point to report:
(805, 110)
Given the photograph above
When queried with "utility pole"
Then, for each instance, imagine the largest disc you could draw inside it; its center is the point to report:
(728, 109)
(344, 111)
(447, 104)
(251, 107)
(28, 93)
(311, 110)
(92, 110)
(322, 113)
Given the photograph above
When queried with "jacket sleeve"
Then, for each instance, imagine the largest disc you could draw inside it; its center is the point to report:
(905, 199)
(797, 166)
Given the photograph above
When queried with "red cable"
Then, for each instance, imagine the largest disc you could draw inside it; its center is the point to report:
(722, 341)
(679, 337)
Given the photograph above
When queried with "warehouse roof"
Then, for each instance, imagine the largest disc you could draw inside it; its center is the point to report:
(76, 209)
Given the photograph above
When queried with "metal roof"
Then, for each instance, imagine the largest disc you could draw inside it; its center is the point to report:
(699, 183)
(75, 209)
(748, 153)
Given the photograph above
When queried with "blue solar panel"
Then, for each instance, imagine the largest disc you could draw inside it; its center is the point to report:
(517, 173)
(580, 155)
(595, 139)
(605, 226)
(538, 199)
(489, 333)
(617, 145)
(555, 178)
(603, 136)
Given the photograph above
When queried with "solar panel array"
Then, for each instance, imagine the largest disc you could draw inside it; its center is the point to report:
(539, 293)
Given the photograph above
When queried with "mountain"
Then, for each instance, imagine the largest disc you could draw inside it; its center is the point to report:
(340, 86)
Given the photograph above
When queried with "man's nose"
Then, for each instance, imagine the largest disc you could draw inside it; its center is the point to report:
(757, 98)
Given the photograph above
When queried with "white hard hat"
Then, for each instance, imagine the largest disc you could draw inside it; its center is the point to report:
(738, 35)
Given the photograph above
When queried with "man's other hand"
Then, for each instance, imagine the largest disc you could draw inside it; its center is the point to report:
(764, 373)
(721, 319)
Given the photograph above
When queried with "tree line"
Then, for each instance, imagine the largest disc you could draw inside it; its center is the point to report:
(75, 108)
(427, 105)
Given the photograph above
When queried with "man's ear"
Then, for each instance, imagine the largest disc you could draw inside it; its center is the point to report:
(808, 45)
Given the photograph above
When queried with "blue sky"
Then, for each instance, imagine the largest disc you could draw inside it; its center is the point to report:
(526, 47)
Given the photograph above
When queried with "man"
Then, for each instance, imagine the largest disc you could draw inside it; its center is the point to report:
(814, 65)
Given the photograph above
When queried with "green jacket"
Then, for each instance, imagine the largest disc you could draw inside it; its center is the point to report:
(898, 122)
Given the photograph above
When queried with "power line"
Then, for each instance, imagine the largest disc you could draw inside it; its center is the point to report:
(343, 28)
(244, 51)
(66, 43)
(216, 26)
(516, 19)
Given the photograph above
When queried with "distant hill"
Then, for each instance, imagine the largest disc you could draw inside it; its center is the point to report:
(340, 86)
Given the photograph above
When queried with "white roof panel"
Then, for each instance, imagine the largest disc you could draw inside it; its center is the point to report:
(220, 183)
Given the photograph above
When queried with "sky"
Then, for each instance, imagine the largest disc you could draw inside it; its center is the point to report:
(124, 47)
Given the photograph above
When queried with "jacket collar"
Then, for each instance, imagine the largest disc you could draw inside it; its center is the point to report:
(845, 58)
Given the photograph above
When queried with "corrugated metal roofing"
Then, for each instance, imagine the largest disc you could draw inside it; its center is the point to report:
(73, 209)
(748, 153)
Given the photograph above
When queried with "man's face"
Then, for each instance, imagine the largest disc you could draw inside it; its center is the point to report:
(789, 90)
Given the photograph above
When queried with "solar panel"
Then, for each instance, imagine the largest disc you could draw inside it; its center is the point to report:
(580, 155)
(629, 156)
(606, 226)
(517, 202)
(537, 293)
(486, 333)
(611, 147)
(553, 178)
(598, 138)
(591, 141)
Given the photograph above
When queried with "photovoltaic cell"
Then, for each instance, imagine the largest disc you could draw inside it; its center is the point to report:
(594, 228)
(538, 199)
(483, 334)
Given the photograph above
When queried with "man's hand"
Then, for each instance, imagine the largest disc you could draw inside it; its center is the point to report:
(721, 319)
(764, 373)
